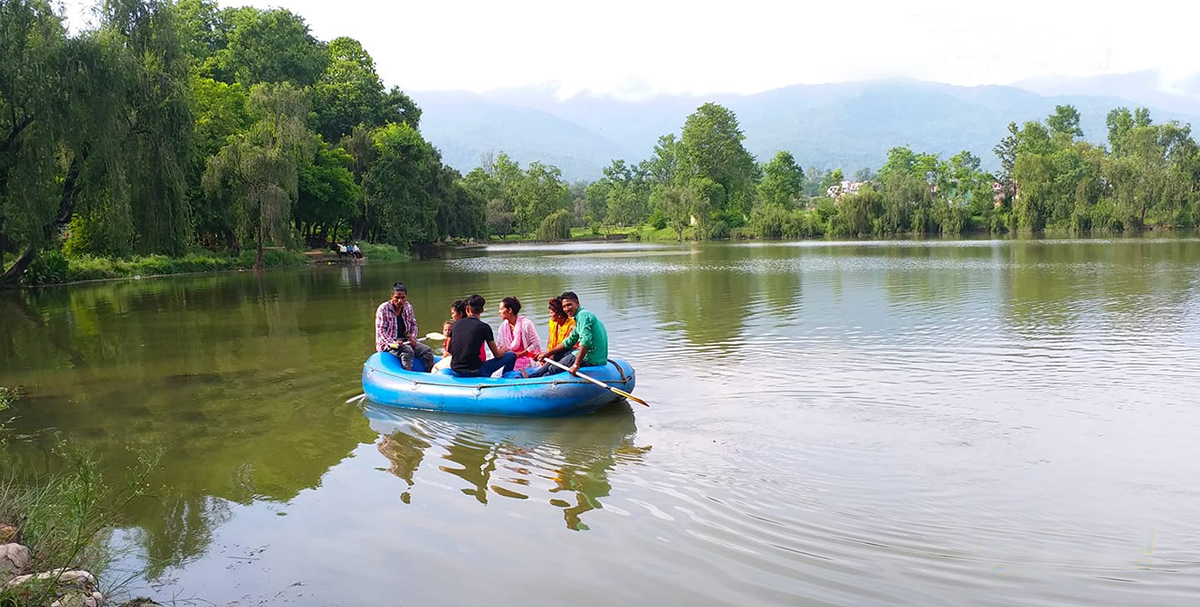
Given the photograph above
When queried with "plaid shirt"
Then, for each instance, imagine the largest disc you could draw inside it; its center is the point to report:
(387, 325)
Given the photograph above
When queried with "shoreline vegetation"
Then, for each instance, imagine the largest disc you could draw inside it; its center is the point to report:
(57, 269)
(54, 528)
(175, 126)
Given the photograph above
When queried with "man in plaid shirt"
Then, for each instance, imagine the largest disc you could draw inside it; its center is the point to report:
(396, 330)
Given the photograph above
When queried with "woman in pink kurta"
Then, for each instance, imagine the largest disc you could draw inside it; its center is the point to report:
(517, 333)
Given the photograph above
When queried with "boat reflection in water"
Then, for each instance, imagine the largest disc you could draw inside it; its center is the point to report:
(571, 459)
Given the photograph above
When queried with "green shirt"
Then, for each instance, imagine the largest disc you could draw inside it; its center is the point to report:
(589, 333)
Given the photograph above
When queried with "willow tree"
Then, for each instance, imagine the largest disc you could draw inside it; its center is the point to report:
(59, 123)
(257, 170)
(156, 135)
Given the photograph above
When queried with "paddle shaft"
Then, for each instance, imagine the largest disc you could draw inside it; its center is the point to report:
(598, 382)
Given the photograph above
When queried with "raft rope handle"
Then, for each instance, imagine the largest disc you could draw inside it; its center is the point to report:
(619, 370)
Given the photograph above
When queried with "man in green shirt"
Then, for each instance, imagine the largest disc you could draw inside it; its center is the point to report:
(589, 333)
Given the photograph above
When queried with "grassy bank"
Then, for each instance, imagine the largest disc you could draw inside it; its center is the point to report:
(55, 268)
(644, 233)
(52, 268)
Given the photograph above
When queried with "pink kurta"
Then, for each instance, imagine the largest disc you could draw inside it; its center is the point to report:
(525, 337)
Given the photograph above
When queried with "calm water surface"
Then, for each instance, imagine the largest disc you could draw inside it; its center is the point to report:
(983, 422)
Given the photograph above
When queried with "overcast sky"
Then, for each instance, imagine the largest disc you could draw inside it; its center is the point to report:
(635, 48)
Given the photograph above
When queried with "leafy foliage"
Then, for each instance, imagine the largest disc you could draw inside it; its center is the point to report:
(556, 226)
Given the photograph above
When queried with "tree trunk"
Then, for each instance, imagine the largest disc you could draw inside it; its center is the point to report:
(66, 208)
(13, 275)
(258, 259)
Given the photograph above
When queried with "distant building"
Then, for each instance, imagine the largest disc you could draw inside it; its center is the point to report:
(843, 188)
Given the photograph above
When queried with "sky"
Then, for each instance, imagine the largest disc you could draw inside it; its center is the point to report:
(634, 49)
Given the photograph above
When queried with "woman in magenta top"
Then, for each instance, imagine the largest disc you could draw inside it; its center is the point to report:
(517, 333)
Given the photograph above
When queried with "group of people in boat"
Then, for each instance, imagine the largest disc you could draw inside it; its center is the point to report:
(576, 337)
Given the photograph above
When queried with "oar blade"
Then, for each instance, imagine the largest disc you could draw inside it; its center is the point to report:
(616, 391)
(629, 396)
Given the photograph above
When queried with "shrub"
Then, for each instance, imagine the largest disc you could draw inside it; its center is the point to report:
(657, 219)
(774, 222)
(48, 267)
(382, 252)
(715, 229)
(742, 233)
(556, 226)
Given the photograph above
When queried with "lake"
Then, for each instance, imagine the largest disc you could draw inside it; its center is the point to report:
(982, 422)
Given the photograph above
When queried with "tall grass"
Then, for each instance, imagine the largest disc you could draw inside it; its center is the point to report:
(64, 518)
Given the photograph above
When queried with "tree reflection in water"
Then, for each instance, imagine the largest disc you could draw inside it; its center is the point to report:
(571, 458)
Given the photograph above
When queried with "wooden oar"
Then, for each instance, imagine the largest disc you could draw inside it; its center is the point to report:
(598, 383)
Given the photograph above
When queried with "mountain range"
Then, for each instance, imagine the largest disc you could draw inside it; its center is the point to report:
(848, 125)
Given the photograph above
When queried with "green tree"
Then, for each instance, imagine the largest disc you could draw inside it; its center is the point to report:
(258, 169)
(540, 193)
(678, 204)
(462, 213)
(663, 167)
(1120, 122)
(556, 226)
(403, 184)
(596, 197)
(327, 195)
(1065, 121)
(783, 181)
(711, 148)
(350, 93)
(628, 194)
(268, 46)
(221, 112)
(856, 213)
(200, 32)
(97, 124)
(903, 195)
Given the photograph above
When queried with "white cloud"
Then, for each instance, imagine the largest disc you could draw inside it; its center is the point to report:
(644, 47)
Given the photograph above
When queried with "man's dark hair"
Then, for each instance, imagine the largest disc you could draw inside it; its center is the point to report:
(398, 287)
(476, 303)
(512, 303)
(569, 295)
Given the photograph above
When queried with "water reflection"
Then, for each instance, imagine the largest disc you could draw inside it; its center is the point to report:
(567, 462)
(831, 419)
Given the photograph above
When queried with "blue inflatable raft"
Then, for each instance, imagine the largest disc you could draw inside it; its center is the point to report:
(386, 382)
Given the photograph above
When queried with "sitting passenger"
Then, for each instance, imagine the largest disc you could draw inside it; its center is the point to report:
(396, 330)
(469, 334)
(517, 334)
(561, 326)
(589, 334)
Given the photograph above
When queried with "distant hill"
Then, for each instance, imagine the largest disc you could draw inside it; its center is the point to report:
(848, 125)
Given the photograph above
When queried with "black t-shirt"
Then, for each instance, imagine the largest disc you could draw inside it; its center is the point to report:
(466, 336)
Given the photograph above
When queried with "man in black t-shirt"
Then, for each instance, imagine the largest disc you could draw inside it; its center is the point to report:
(467, 335)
